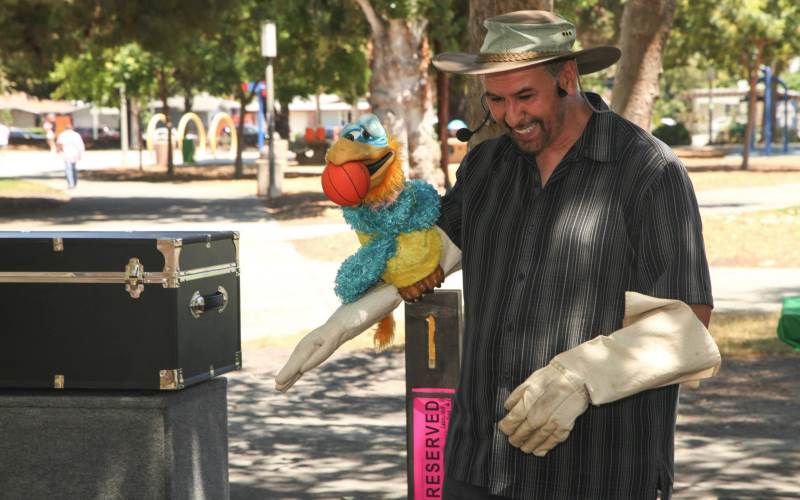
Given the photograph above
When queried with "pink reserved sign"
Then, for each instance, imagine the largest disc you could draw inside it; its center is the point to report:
(430, 418)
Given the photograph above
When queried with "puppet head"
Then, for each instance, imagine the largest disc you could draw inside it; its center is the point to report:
(363, 166)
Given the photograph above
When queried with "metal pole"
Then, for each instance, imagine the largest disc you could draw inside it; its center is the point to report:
(273, 189)
(123, 124)
(710, 105)
(785, 118)
(767, 127)
(260, 140)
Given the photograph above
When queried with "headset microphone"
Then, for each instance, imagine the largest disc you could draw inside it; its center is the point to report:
(464, 134)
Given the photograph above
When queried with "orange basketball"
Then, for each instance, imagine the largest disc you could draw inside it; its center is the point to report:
(346, 184)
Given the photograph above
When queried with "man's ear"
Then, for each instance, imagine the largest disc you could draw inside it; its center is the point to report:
(568, 78)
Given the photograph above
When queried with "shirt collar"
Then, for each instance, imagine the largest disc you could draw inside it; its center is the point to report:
(597, 142)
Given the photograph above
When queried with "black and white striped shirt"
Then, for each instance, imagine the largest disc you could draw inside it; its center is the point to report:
(545, 269)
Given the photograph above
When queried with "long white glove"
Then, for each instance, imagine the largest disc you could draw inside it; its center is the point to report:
(349, 320)
(661, 343)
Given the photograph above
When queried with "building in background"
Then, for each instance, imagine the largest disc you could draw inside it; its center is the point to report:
(326, 111)
(729, 108)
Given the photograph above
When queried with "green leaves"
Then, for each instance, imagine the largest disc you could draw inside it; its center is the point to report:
(97, 75)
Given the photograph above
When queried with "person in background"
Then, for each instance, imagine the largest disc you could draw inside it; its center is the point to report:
(49, 126)
(71, 147)
(4, 133)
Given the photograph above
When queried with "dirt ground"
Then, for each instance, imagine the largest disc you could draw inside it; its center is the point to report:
(340, 432)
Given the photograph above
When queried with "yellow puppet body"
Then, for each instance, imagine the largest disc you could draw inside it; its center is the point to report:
(417, 256)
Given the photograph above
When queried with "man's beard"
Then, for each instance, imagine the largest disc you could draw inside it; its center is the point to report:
(535, 144)
(545, 134)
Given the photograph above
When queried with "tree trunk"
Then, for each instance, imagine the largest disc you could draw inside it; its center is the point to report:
(400, 90)
(777, 69)
(136, 133)
(479, 11)
(188, 102)
(752, 76)
(165, 110)
(645, 28)
(238, 166)
(282, 121)
(443, 113)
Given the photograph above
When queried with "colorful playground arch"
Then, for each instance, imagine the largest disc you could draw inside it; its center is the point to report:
(217, 123)
(219, 120)
(151, 129)
(201, 131)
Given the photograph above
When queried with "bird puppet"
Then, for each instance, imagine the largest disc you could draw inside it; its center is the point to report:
(394, 218)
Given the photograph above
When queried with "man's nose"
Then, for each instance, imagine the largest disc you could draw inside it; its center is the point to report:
(513, 114)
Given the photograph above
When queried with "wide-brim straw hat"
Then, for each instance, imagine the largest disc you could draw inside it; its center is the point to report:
(526, 38)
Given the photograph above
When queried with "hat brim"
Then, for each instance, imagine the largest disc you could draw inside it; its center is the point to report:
(588, 60)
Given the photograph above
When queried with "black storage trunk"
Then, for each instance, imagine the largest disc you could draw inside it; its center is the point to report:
(118, 310)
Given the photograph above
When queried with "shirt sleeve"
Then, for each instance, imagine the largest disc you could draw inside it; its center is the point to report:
(450, 215)
(671, 256)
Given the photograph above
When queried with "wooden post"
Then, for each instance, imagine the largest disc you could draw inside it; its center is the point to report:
(433, 335)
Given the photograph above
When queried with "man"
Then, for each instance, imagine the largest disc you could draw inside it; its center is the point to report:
(560, 222)
(70, 145)
(5, 132)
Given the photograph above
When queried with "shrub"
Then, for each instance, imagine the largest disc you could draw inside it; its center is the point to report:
(673, 135)
(734, 134)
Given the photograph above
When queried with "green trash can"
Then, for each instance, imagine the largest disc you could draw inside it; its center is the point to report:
(187, 148)
(789, 324)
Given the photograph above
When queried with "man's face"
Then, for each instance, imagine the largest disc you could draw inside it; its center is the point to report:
(525, 102)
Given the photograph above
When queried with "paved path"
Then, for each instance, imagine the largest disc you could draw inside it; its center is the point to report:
(43, 164)
(340, 431)
(735, 200)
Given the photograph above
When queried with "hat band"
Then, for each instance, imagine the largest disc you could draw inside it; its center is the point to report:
(516, 56)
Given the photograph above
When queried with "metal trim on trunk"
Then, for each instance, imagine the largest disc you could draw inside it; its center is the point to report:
(168, 280)
(236, 244)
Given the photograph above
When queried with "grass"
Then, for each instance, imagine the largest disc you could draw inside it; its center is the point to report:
(19, 187)
(768, 238)
(707, 181)
(747, 335)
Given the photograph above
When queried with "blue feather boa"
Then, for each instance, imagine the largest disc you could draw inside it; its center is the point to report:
(416, 208)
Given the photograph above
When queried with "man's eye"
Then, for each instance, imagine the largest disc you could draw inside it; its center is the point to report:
(524, 97)
(495, 99)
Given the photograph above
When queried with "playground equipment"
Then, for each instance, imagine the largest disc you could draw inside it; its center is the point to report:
(201, 131)
(151, 129)
(215, 129)
(219, 120)
(767, 126)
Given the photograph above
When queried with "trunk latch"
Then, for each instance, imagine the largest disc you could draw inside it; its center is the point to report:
(134, 278)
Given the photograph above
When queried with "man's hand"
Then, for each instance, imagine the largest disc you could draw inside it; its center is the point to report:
(543, 409)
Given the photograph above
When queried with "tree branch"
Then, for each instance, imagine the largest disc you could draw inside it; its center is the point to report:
(372, 17)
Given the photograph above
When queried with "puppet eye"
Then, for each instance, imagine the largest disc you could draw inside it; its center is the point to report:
(349, 136)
